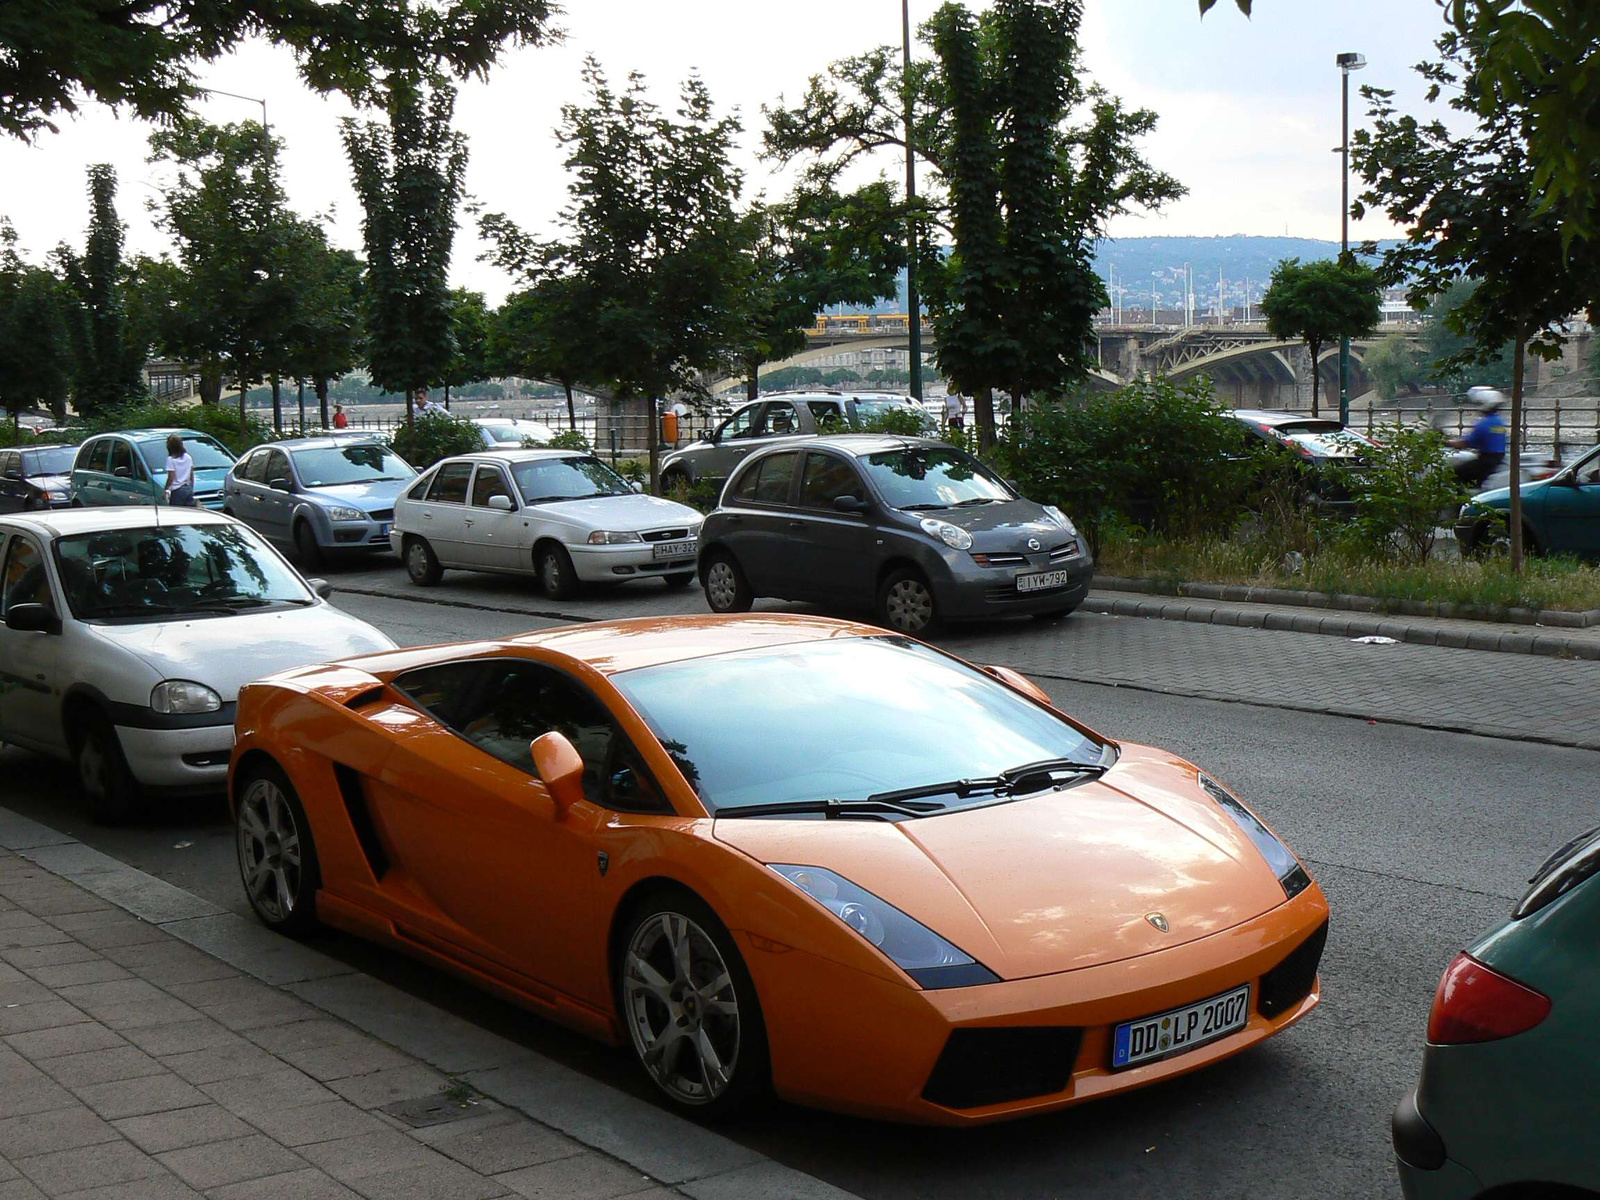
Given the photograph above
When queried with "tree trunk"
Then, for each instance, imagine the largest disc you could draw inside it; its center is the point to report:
(653, 434)
(211, 387)
(447, 397)
(411, 403)
(277, 406)
(302, 401)
(752, 381)
(572, 411)
(1316, 374)
(243, 388)
(1514, 448)
(321, 384)
(983, 417)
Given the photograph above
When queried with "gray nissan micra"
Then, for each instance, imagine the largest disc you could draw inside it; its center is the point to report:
(917, 529)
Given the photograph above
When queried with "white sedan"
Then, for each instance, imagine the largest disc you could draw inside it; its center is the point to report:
(126, 634)
(512, 433)
(561, 515)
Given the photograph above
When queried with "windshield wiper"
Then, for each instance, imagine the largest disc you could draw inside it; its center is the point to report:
(1046, 768)
(1008, 782)
(873, 806)
(921, 507)
(979, 500)
(225, 604)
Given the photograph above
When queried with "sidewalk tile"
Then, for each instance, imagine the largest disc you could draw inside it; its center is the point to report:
(281, 1087)
(431, 1182)
(91, 919)
(346, 1059)
(218, 1164)
(48, 1014)
(38, 1095)
(181, 1127)
(310, 1184)
(219, 1062)
(305, 1035)
(275, 1008)
(584, 1177)
(63, 951)
(157, 1187)
(132, 932)
(64, 1039)
(20, 1189)
(23, 991)
(180, 1037)
(100, 1066)
(29, 936)
(90, 970)
(509, 1144)
(170, 962)
(137, 1097)
(385, 1087)
(92, 997)
(88, 1166)
(324, 1122)
(61, 1129)
(139, 1013)
(352, 1158)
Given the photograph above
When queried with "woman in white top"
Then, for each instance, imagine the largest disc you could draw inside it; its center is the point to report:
(180, 473)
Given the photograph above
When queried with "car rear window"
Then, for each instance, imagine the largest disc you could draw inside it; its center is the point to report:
(1573, 864)
(205, 452)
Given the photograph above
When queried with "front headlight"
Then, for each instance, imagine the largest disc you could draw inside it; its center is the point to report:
(605, 537)
(178, 696)
(912, 946)
(1061, 518)
(1279, 857)
(951, 535)
(62, 494)
(340, 513)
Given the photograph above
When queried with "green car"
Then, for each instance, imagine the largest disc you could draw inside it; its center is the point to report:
(1508, 1104)
(129, 467)
(1560, 515)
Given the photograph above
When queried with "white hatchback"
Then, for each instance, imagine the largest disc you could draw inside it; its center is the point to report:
(127, 632)
(561, 515)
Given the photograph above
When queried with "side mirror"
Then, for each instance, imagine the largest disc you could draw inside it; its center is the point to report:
(281, 485)
(561, 767)
(1021, 683)
(321, 587)
(123, 472)
(13, 473)
(637, 485)
(501, 504)
(849, 504)
(32, 618)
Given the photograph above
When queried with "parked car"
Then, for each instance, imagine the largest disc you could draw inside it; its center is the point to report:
(917, 530)
(512, 433)
(782, 852)
(36, 477)
(322, 496)
(1507, 1104)
(560, 515)
(774, 418)
(1315, 442)
(127, 634)
(1560, 513)
(129, 468)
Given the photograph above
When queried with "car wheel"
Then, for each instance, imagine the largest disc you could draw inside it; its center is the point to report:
(109, 788)
(681, 580)
(421, 564)
(691, 1008)
(727, 591)
(277, 856)
(556, 575)
(906, 604)
(305, 547)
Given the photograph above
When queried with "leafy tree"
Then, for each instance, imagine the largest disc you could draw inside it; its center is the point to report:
(1320, 302)
(1454, 360)
(1467, 200)
(323, 339)
(1403, 485)
(469, 330)
(408, 175)
(108, 361)
(35, 356)
(543, 333)
(142, 53)
(1396, 365)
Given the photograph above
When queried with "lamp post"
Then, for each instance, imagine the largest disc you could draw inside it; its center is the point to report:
(236, 96)
(1347, 62)
(913, 301)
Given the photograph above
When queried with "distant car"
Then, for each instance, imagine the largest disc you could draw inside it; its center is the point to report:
(322, 496)
(1315, 442)
(1560, 514)
(129, 468)
(36, 477)
(512, 433)
(775, 418)
(915, 529)
(127, 635)
(560, 515)
(1507, 1102)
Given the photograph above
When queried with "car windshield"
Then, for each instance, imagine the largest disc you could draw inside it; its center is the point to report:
(155, 571)
(203, 450)
(932, 477)
(506, 432)
(567, 479)
(1329, 439)
(843, 719)
(358, 462)
(55, 461)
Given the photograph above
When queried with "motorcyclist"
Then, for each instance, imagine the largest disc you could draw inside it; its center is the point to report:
(1486, 439)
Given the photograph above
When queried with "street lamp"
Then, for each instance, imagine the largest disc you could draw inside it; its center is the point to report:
(913, 301)
(1347, 62)
(236, 96)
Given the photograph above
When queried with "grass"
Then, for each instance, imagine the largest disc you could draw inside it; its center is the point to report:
(1557, 584)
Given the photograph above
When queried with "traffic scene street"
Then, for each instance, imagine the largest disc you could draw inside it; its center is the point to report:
(1421, 839)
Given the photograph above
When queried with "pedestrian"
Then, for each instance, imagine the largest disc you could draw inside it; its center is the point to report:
(179, 489)
(431, 407)
(955, 411)
(340, 421)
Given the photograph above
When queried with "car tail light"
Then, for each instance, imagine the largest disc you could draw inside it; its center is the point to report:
(1477, 1004)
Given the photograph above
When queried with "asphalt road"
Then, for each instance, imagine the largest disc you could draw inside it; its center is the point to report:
(1420, 838)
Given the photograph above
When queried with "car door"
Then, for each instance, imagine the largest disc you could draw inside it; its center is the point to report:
(13, 487)
(1569, 511)
(442, 514)
(493, 536)
(757, 511)
(734, 440)
(274, 507)
(129, 481)
(831, 553)
(30, 707)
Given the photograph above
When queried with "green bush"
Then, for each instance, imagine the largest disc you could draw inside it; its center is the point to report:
(1153, 455)
(701, 494)
(570, 439)
(433, 436)
(1402, 493)
(220, 421)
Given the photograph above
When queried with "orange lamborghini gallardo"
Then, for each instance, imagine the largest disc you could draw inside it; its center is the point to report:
(785, 853)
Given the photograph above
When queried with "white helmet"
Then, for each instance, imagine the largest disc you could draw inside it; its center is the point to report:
(1485, 399)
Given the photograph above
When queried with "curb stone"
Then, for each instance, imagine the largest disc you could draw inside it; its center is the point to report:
(697, 1162)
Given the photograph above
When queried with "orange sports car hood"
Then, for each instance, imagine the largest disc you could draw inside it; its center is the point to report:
(1054, 882)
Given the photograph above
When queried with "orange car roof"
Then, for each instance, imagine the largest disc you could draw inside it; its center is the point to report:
(613, 646)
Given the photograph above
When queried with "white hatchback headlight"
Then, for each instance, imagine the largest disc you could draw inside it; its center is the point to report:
(606, 537)
(953, 536)
(177, 696)
(340, 513)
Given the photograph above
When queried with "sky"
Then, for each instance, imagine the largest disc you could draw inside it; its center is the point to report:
(1249, 110)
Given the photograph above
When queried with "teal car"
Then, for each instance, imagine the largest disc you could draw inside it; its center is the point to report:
(1507, 1106)
(129, 467)
(1560, 514)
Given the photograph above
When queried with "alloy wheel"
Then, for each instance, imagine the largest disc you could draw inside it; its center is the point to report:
(722, 587)
(94, 768)
(909, 605)
(681, 1008)
(417, 560)
(269, 850)
(550, 573)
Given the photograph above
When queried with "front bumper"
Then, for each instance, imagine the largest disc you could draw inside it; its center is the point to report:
(371, 534)
(877, 1054)
(629, 560)
(194, 759)
(972, 591)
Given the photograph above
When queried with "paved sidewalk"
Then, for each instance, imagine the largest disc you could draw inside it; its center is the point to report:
(134, 1066)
